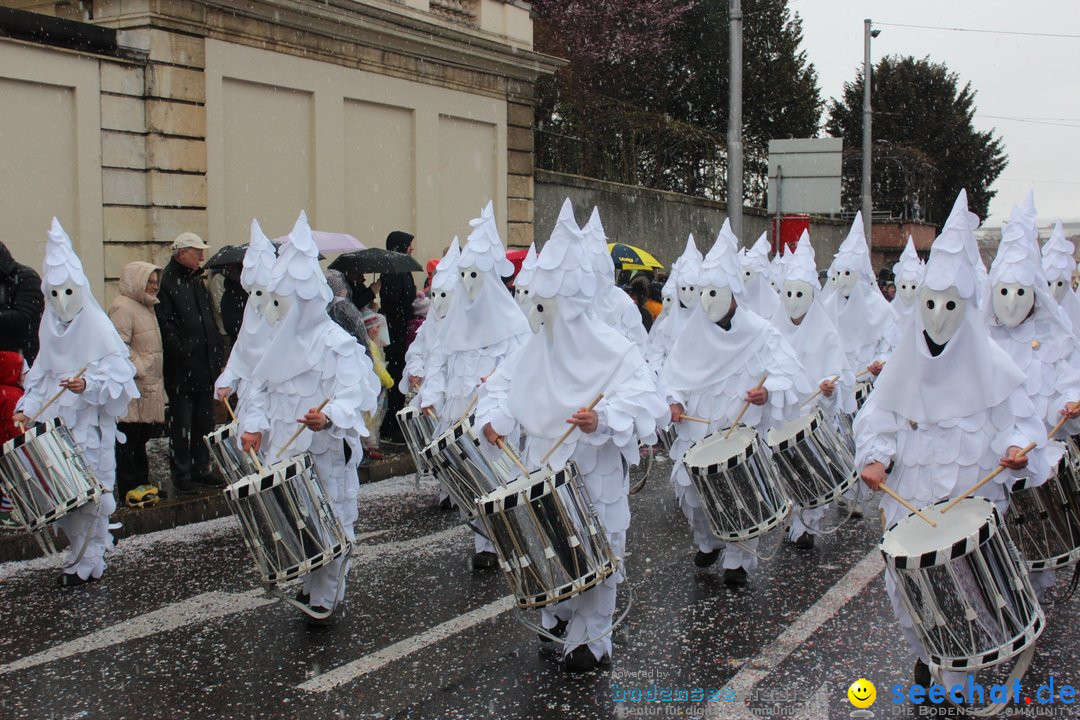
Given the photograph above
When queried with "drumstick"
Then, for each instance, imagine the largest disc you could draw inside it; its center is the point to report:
(55, 397)
(513, 456)
(468, 410)
(866, 372)
(250, 451)
(301, 429)
(893, 494)
(691, 418)
(430, 412)
(561, 440)
(745, 407)
(817, 392)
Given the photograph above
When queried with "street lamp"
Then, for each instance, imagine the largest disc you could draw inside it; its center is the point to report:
(867, 203)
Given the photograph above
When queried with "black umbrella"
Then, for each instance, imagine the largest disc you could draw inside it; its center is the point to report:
(234, 255)
(376, 260)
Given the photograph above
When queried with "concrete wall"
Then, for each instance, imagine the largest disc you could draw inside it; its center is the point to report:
(660, 221)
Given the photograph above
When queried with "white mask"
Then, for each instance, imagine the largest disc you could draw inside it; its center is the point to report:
(259, 296)
(277, 308)
(440, 303)
(524, 299)
(716, 302)
(667, 301)
(747, 272)
(906, 291)
(473, 282)
(797, 297)
(942, 313)
(688, 295)
(1013, 303)
(845, 281)
(1058, 288)
(541, 312)
(66, 300)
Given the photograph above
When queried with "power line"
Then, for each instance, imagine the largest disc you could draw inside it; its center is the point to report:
(977, 30)
(1033, 121)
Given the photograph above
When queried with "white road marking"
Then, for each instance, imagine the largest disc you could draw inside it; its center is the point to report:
(403, 648)
(760, 667)
(197, 609)
(371, 552)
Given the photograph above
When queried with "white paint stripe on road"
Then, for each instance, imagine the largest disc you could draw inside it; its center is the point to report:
(370, 663)
(197, 609)
(371, 552)
(827, 606)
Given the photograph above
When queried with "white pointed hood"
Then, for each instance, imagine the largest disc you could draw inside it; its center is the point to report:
(910, 266)
(255, 334)
(721, 267)
(758, 293)
(1057, 255)
(492, 316)
(972, 373)
(528, 269)
(67, 347)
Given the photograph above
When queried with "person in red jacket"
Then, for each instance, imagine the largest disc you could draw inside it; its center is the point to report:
(11, 368)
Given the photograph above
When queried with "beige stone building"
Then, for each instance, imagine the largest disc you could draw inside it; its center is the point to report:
(134, 120)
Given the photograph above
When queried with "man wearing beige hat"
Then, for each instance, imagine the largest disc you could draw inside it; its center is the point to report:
(194, 354)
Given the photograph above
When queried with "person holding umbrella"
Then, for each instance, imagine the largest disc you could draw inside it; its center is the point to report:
(396, 297)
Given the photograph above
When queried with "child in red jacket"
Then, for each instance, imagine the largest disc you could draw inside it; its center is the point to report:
(11, 369)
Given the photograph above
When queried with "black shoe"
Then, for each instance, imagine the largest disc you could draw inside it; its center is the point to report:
(805, 541)
(581, 659)
(558, 631)
(302, 597)
(328, 621)
(186, 487)
(706, 559)
(735, 577)
(485, 560)
(922, 674)
(208, 479)
(446, 503)
(73, 580)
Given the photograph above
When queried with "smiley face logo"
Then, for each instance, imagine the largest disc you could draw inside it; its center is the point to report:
(862, 693)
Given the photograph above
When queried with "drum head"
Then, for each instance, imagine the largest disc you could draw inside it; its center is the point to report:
(912, 542)
(791, 430)
(716, 450)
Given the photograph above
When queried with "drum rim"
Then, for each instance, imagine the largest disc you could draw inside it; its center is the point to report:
(942, 556)
(220, 433)
(448, 438)
(407, 410)
(743, 456)
(309, 564)
(1008, 650)
(270, 477)
(38, 429)
(520, 489)
(590, 579)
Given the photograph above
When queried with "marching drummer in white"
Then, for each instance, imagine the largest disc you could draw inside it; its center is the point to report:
(908, 274)
(255, 332)
(523, 278)
(309, 360)
(542, 388)
(1058, 263)
(758, 293)
(75, 334)
(712, 370)
(443, 283)
(950, 406)
(482, 326)
(1027, 323)
(613, 304)
(803, 322)
(684, 278)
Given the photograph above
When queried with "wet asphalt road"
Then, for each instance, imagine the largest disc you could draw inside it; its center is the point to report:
(178, 629)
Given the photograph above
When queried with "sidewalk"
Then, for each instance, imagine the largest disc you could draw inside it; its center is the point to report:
(185, 509)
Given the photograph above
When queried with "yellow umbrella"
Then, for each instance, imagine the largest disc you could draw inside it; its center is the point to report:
(628, 257)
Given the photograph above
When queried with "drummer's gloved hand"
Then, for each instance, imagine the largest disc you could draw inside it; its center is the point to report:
(414, 382)
(251, 441)
(314, 420)
(874, 475)
(491, 436)
(586, 420)
(677, 411)
(757, 396)
(223, 393)
(875, 367)
(1072, 410)
(1013, 460)
(21, 419)
(828, 387)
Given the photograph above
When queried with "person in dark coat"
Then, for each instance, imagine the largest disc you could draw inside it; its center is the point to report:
(21, 306)
(396, 302)
(194, 355)
(233, 301)
(639, 293)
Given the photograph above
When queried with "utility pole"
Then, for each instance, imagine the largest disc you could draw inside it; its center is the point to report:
(734, 133)
(867, 201)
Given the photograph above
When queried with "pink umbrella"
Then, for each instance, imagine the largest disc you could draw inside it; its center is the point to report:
(330, 243)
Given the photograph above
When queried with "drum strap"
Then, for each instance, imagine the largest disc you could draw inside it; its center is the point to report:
(275, 591)
(1017, 674)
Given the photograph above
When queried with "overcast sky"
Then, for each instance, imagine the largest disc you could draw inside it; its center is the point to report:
(1014, 76)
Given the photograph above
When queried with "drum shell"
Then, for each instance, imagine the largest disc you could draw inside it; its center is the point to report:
(287, 523)
(463, 467)
(418, 430)
(667, 437)
(550, 542)
(234, 463)
(742, 495)
(1045, 520)
(815, 464)
(971, 601)
(45, 475)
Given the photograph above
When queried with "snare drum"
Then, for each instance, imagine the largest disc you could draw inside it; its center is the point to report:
(286, 521)
(551, 544)
(234, 463)
(965, 585)
(814, 464)
(1045, 520)
(738, 483)
(466, 471)
(417, 427)
(44, 474)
